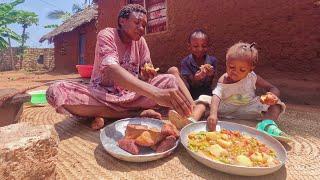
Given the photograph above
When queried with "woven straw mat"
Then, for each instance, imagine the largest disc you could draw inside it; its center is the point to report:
(81, 155)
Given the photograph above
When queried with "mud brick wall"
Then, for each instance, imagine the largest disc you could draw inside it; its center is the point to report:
(30, 58)
(32, 54)
(287, 32)
(6, 59)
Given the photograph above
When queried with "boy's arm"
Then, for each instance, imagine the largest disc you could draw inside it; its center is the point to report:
(262, 83)
(193, 81)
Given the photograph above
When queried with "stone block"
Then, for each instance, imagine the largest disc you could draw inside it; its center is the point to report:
(28, 152)
(11, 109)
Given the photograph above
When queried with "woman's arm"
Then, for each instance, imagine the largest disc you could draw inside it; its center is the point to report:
(262, 83)
(165, 97)
(126, 80)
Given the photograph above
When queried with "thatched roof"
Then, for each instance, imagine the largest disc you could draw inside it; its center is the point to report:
(85, 16)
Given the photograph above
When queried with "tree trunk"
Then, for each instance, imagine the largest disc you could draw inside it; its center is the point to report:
(22, 44)
(11, 54)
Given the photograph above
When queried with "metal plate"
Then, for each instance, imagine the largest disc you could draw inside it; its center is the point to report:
(235, 169)
(110, 134)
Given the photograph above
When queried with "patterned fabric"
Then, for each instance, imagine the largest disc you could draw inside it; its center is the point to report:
(103, 91)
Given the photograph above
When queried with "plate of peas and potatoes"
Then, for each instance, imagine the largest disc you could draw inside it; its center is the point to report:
(233, 148)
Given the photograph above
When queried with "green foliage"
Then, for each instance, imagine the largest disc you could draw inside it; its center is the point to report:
(58, 14)
(8, 15)
(51, 26)
(26, 18)
(6, 33)
(64, 15)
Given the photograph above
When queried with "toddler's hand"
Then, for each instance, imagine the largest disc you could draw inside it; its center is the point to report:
(212, 122)
(269, 98)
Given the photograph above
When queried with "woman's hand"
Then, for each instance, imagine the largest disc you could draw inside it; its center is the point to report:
(175, 99)
(212, 122)
(148, 72)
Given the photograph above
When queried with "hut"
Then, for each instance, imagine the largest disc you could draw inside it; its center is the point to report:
(74, 40)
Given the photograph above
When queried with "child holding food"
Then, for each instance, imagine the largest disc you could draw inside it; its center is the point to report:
(198, 68)
(234, 95)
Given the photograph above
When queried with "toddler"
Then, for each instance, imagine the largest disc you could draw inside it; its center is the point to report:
(234, 95)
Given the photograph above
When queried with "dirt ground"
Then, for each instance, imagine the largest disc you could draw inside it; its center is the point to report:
(81, 154)
(302, 89)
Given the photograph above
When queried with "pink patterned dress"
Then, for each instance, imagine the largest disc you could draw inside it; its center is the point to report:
(103, 91)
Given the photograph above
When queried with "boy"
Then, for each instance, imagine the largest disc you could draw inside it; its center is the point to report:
(198, 68)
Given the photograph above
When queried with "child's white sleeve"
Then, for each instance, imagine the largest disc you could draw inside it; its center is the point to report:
(218, 90)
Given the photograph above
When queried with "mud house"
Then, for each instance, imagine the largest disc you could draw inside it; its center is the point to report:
(287, 32)
(74, 40)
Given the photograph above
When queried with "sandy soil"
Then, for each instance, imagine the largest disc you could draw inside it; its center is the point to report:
(295, 88)
(81, 154)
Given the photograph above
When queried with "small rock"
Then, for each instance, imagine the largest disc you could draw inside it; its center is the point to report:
(28, 152)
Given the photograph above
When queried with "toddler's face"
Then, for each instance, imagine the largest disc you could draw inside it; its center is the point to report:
(198, 46)
(238, 69)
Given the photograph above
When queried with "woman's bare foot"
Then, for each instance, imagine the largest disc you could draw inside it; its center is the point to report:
(150, 113)
(97, 123)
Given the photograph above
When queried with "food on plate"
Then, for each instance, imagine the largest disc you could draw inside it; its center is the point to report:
(169, 129)
(159, 140)
(135, 130)
(232, 147)
(166, 144)
(149, 67)
(147, 139)
(269, 99)
(129, 146)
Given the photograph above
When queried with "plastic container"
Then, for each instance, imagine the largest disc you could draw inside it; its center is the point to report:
(85, 71)
(38, 97)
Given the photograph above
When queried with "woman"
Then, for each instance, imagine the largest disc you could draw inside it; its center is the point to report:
(120, 87)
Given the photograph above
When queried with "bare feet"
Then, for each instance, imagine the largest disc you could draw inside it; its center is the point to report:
(97, 123)
(150, 113)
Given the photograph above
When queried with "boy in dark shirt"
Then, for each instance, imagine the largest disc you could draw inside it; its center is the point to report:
(198, 68)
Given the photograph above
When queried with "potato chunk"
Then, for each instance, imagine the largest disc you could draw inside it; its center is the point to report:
(216, 150)
(244, 161)
(224, 143)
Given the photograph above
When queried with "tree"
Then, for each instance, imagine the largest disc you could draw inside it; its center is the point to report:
(8, 16)
(64, 15)
(26, 19)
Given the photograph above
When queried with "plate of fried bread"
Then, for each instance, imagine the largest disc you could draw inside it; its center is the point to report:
(234, 148)
(139, 139)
